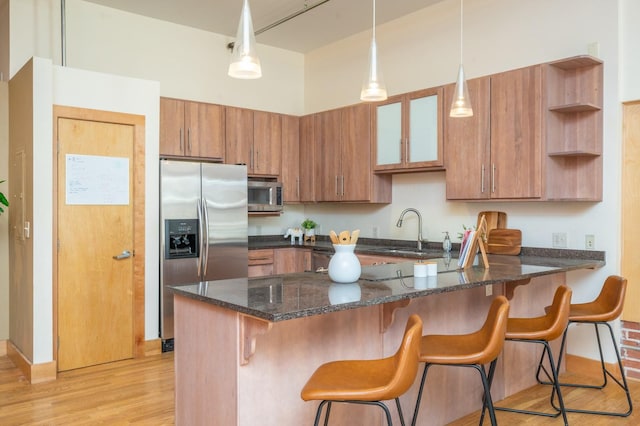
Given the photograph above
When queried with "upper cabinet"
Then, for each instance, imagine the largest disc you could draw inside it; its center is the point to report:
(497, 153)
(290, 174)
(343, 157)
(191, 129)
(536, 134)
(573, 119)
(254, 138)
(307, 157)
(408, 134)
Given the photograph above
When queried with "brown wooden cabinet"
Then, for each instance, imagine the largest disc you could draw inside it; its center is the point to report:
(290, 175)
(497, 153)
(290, 260)
(408, 132)
(344, 160)
(191, 129)
(307, 156)
(254, 138)
(260, 262)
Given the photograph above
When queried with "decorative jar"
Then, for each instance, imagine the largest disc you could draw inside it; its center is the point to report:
(344, 266)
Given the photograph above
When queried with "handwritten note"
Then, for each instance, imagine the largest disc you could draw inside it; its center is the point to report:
(97, 180)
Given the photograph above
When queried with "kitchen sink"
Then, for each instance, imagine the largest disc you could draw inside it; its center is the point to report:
(412, 252)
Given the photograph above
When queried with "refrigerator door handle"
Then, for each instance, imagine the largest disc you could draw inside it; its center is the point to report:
(205, 210)
(200, 236)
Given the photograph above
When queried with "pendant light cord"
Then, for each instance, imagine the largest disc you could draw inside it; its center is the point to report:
(461, 27)
(374, 20)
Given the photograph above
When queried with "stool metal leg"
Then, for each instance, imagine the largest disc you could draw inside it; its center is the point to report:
(556, 386)
(605, 372)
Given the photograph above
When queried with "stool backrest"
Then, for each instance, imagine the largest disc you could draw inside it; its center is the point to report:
(494, 328)
(611, 297)
(406, 359)
(557, 317)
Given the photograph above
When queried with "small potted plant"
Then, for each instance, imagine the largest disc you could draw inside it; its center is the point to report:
(309, 227)
(4, 201)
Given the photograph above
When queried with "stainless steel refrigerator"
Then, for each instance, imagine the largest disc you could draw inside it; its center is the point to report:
(203, 228)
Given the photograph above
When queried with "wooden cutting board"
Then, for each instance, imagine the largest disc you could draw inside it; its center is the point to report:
(495, 220)
(504, 241)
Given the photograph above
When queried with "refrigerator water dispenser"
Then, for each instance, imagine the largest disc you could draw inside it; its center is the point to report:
(181, 238)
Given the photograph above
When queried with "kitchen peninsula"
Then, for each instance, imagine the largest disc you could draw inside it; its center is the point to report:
(245, 347)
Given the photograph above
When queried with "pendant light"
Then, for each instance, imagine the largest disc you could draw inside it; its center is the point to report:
(244, 59)
(461, 104)
(373, 88)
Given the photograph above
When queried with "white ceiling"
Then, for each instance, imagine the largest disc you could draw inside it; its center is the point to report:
(324, 24)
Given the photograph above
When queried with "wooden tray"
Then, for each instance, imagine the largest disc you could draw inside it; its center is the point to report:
(504, 241)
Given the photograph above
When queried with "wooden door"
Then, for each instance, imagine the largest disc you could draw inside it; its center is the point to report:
(467, 155)
(267, 143)
(307, 159)
(95, 215)
(630, 232)
(205, 130)
(239, 136)
(356, 153)
(328, 156)
(516, 131)
(290, 157)
(171, 126)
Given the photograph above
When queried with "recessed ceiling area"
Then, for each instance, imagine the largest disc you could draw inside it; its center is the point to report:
(328, 22)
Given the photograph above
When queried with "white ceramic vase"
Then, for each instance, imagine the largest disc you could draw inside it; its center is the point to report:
(344, 266)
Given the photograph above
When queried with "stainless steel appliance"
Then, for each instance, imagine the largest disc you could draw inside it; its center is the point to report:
(264, 195)
(203, 227)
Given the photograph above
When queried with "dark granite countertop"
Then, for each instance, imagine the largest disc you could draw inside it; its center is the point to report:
(290, 296)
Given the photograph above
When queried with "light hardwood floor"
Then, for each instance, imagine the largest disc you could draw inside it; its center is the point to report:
(141, 392)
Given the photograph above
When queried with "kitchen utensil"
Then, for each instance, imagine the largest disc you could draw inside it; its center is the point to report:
(504, 241)
(334, 237)
(344, 237)
(354, 236)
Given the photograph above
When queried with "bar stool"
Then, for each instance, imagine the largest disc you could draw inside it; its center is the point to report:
(368, 381)
(606, 307)
(468, 350)
(542, 330)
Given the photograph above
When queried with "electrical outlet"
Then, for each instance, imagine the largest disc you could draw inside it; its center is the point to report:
(488, 290)
(559, 240)
(590, 241)
(375, 230)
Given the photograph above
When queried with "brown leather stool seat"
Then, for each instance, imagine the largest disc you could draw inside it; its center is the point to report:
(468, 350)
(606, 307)
(542, 330)
(368, 381)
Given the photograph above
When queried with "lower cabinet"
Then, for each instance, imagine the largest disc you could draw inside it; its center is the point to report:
(265, 262)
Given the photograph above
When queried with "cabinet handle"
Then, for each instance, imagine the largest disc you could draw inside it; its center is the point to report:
(298, 187)
(337, 185)
(189, 140)
(181, 140)
(342, 185)
(482, 180)
(257, 162)
(493, 177)
(251, 158)
(400, 148)
(406, 150)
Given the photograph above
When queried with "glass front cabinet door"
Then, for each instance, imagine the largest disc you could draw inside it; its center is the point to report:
(408, 132)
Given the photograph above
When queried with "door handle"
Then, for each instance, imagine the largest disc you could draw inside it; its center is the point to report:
(124, 255)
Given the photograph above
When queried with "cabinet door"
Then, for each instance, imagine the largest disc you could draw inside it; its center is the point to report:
(424, 129)
(516, 134)
(388, 134)
(290, 156)
(328, 156)
(239, 136)
(355, 140)
(307, 159)
(291, 260)
(467, 145)
(205, 130)
(171, 126)
(267, 143)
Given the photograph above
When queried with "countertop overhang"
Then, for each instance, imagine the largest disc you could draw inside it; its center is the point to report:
(290, 296)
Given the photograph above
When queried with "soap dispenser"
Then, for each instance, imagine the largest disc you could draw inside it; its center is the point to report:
(446, 244)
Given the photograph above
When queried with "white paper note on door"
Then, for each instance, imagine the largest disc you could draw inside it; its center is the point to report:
(97, 180)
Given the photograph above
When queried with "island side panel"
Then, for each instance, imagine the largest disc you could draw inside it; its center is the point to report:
(269, 385)
(206, 362)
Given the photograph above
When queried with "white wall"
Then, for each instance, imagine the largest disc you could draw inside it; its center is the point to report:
(4, 222)
(630, 46)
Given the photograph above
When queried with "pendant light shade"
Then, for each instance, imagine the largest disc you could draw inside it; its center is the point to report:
(245, 63)
(461, 104)
(373, 88)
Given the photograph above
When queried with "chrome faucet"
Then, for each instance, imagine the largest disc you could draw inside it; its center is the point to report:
(399, 223)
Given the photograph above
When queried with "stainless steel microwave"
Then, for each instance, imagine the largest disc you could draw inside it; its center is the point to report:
(264, 196)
